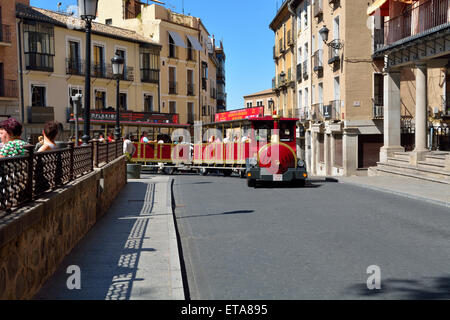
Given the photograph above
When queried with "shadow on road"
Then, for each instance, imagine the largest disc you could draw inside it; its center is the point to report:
(433, 288)
(218, 214)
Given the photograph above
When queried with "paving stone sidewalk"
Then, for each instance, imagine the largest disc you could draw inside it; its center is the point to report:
(130, 254)
(437, 193)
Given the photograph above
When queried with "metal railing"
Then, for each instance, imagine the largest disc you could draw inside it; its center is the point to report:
(190, 89)
(5, 33)
(149, 75)
(8, 88)
(317, 112)
(416, 20)
(333, 52)
(172, 87)
(318, 8)
(318, 60)
(378, 39)
(26, 178)
(39, 61)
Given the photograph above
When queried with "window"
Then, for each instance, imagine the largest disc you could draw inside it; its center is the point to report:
(132, 9)
(39, 46)
(100, 100)
(321, 93)
(74, 63)
(172, 48)
(249, 104)
(172, 81)
(99, 60)
(300, 99)
(190, 112)
(306, 97)
(108, 22)
(313, 98)
(122, 54)
(123, 101)
(38, 96)
(336, 28)
(172, 107)
(149, 62)
(204, 75)
(190, 82)
(378, 89)
(190, 51)
(148, 103)
(305, 13)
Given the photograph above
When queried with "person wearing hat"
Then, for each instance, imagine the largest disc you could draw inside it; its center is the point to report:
(10, 132)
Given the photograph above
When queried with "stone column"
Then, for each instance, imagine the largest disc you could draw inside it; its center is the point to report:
(327, 152)
(350, 151)
(313, 164)
(333, 153)
(421, 114)
(392, 113)
(308, 150)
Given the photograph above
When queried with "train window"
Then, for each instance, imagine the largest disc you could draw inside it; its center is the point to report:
(286, 131)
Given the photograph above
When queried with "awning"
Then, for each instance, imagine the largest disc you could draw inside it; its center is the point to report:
(383, 7)
(177, 39)
(195, 43)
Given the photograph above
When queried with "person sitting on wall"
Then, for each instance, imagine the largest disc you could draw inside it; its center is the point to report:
(101, 137)
(50, 132)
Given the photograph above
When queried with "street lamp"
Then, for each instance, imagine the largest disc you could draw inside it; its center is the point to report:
(88, 12)
(117, 66)
(335, 44)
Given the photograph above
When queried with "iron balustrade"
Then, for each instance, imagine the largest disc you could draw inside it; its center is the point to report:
(318, 8)
(172, 87)
(417, 20)
(318, 60)
(190, 89)
(26, 178)
(5, 33)
(8, 88)
(149, 75)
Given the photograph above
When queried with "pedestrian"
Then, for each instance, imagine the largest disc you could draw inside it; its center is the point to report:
(110, 137)
(101, 137)
(10, 132)
(50, 132)
(128, 147)
(39, 144)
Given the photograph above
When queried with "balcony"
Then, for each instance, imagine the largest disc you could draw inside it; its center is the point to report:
(75, 67)
(40, 114)
(318, 8)
(333, 53)
(190, 89)
(317, 112)
(8, 89)
(378, 107)
(5, 35)
(149, 75)
(318, 63)
(172, 87)
(417, 20)
(204, 84)
(332, 111)
(334, 4)
(39, 61)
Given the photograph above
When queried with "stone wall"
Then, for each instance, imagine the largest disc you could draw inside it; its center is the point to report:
(35, 239)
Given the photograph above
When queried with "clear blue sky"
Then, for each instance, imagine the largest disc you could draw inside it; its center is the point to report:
(244, 28)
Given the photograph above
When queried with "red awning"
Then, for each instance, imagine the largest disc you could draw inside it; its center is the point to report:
(381, 7)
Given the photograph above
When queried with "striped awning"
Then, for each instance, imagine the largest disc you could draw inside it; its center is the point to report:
(382, 6)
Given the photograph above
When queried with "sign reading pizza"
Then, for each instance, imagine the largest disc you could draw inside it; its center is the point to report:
(240, 114)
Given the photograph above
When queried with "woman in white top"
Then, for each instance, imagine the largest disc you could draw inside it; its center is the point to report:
(50, 131)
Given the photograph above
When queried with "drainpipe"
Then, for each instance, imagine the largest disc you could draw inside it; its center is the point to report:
(199, 77)
(22, 103)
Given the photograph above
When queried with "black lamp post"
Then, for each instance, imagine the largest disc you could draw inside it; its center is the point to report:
(88, 12)
(117, 66)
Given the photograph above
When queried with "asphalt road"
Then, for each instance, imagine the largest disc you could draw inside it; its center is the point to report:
(308, 243)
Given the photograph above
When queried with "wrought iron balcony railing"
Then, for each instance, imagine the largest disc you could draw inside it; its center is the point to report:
(172, 87)
(8, 88)
(149, 75)
(318, 60)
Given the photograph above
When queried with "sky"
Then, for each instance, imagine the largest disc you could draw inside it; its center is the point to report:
(243, 26)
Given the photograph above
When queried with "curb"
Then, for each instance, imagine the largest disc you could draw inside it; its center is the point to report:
(176, 279)
(398, 193)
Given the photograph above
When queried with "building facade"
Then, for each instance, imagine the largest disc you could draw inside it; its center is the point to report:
(9, 60)
(264, 99)
(188, 56)
(413, 48)
(284, 55)
(53, 68)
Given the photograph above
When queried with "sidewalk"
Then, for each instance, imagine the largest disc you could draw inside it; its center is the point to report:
(130, 254)
(433, 192)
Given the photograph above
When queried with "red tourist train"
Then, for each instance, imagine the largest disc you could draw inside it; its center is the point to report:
(245, 141)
